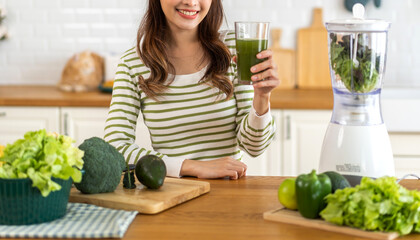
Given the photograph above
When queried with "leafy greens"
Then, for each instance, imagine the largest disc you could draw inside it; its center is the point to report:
(358, 77)
(375, 205)
(40, 156)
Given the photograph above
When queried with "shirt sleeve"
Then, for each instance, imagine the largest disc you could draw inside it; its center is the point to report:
(254, 133)
(120, 126)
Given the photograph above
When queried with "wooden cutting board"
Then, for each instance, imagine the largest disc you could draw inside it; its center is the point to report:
(174, 191)
(312, 55)
(285, 61)
(284, 215)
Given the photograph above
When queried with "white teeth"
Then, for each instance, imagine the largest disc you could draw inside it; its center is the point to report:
(187, 12)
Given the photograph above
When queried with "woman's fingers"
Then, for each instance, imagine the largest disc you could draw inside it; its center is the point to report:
(267, 83)
(264, 70)
(267, 74)
(218, 168)
(265, 54)
(232, 174)
(267, 71)
(231, 166)
(267, 64)
(239, 167)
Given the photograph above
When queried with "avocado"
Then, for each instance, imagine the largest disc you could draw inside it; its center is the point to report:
(151, 171)
(338, 181)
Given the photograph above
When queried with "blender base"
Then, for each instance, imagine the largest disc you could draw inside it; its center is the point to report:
(357, 150)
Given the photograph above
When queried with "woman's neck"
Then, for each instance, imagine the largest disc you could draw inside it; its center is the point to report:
(183, 42)
(186, 52)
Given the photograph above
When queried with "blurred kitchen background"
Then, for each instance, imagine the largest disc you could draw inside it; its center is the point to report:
(44, 34)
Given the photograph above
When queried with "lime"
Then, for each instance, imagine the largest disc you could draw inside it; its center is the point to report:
(1, 150)
(287, 193)
(1, 154)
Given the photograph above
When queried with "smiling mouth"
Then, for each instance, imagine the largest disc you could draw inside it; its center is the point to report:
(188, 13)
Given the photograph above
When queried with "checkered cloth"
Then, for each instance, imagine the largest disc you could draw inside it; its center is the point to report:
(81, 221)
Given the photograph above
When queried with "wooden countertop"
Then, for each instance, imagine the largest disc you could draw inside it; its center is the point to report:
(302, 99)
(51, 96)
(233, 209)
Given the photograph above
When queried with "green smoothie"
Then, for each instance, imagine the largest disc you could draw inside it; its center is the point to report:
(247, 50)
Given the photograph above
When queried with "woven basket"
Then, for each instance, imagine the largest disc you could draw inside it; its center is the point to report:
(22, 204)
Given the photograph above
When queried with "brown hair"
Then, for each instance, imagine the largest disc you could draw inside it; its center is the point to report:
(152, 39)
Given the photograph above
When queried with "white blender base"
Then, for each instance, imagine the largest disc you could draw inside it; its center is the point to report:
(357, 150)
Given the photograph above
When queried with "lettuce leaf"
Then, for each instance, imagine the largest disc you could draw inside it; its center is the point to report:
(359, 78)
(41, 156)
(375, 205)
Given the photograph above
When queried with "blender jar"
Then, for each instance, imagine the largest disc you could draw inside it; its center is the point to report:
(357, 53)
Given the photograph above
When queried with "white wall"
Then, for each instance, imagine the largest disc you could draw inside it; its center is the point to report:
(45, 33)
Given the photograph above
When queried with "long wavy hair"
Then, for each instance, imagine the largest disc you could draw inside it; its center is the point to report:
(152, 45)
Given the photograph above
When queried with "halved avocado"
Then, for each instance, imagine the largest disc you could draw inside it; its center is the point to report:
(151, 171)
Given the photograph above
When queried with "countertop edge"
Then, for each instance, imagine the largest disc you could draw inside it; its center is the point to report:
(51, 96)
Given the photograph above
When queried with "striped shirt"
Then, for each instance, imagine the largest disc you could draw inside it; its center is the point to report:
(190, 121)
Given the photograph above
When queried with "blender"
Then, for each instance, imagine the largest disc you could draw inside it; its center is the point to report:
(356, 142)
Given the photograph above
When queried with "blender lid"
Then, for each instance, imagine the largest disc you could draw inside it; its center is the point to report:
(357, 23)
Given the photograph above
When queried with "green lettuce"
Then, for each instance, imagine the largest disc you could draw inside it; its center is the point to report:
(361, 77)
(375, 205)
(41, 156)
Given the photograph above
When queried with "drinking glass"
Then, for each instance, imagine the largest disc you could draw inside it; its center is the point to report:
(251, 38)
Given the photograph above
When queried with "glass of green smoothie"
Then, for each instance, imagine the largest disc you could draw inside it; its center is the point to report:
(251, 38)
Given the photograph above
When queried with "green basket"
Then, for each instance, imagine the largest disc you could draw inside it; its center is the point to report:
(22, 204)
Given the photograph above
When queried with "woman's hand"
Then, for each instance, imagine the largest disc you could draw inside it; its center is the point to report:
(265, 77)
(218, 168)
(264, 80)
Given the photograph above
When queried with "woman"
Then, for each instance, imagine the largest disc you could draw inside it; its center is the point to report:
(181, 76)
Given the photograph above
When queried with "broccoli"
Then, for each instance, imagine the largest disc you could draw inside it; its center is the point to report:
(103, 166)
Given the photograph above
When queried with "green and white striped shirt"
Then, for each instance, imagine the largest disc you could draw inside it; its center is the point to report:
(191, 120)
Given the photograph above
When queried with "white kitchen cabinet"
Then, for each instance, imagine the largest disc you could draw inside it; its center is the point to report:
(406, 150)
(82, 123)
(268, 163)
(302, 137)
(16, 121)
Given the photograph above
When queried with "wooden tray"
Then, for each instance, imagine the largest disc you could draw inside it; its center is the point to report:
(173, 192)
(284, 215)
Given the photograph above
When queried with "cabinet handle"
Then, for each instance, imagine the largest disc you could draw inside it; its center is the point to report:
(288, 128)
(2, 114)
(66, 119)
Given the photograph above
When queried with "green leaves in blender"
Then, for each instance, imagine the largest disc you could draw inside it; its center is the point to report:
(359, 68)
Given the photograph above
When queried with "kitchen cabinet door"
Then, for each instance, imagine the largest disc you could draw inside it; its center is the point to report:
(16, 121)
(82, 123)
(268, 163)
(85, 122)
(302, 136)
(406, 150)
